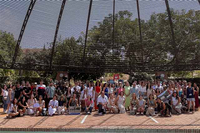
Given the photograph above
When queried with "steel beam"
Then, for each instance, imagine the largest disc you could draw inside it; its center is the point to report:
(56, 31)
(113, 26)
(86, 32)
(28, 13)
(140, 29)
(171, 27)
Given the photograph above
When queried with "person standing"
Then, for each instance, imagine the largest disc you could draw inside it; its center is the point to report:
(50, 91)
(5, 97)
(190, 97)
(127, 95)
(41, 89)
(196, 89)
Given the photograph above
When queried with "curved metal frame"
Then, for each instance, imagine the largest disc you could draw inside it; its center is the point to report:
(29, 11)
(86, 33)
(56, 31)
(138, 67)
(140, 29)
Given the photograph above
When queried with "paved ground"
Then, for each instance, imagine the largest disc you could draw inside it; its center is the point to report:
(108, 121)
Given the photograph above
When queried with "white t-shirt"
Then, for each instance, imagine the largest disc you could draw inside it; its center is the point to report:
(83, 96)
(78, 88)
(53, 103)
(41, 86)
(160, 88)
(143, 89)
(102, 100)
(5, 93)
(90, 91)
(110, 90)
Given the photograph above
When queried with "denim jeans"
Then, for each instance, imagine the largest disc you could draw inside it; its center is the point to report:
(5, 105)
(90, 109)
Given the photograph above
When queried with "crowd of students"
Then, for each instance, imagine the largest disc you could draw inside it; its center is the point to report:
(142, 97)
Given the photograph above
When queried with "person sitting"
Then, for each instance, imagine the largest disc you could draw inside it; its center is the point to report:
(151, 105)
(73, 102)
(121, 102)
(111, 104)
(73, 105)
(31, 102)
(134, 102)
(40, 106)
(102, 102)
(12, 111)
(141, 105)
(88, 105)
(53, 105)
(160, 107)
(22, 105)
(176, 103)
(61, 105)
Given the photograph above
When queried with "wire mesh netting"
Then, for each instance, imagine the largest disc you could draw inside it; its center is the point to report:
(116, 38)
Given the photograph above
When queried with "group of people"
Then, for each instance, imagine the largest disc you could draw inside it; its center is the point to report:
(142, 97)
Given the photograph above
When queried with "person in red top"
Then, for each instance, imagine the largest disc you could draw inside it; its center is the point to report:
(88, 105)
(97, 92)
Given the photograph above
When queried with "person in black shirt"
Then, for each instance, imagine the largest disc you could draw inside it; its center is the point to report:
(22, 105)
(27, 90)
(18, 92)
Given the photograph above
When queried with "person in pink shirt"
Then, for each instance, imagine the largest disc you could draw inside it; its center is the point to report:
(88, 105)
(120, 88)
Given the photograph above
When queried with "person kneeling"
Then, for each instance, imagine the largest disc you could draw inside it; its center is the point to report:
(62, 104)
(40, 106)
(141, 105)
(134, 102)
(176, 104)
(151, 106)
(12, 112)
(53, 105)
(121, 102)
(88, 105)
(102, 102)
(111, 104)
(22, 106)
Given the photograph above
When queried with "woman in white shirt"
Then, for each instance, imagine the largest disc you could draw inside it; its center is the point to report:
(31, 102)
(5, 97)
(91, 92)
(121, 102)
(110, 89)
(143, 90)
(111, 104)
(13, 109)
(53, 106)
(176, 103)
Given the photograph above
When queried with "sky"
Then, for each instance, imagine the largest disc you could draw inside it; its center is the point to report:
(42, 23)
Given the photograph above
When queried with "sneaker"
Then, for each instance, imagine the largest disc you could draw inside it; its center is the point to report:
(100, 114)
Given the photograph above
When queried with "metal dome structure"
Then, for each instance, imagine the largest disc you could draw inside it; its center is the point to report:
(114, 66)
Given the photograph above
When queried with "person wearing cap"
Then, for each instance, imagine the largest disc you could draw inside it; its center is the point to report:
(33, 88)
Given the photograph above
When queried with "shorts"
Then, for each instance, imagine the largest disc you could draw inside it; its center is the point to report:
(191, 99)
